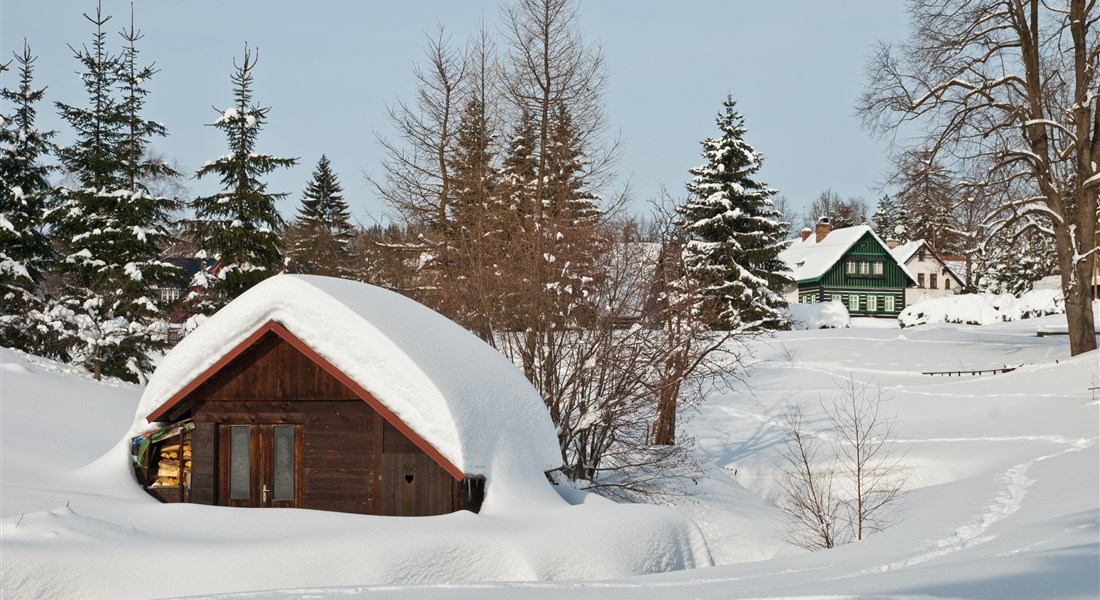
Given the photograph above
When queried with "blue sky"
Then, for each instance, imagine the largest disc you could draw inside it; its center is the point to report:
(329, 68)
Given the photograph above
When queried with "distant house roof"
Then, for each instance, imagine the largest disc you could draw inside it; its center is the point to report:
(810, 259)
(903, 252)
(457, 393)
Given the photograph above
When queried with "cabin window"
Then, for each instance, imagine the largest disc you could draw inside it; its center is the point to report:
(889, 304)
(920, 280)
(850, 267)
(932, 283)
(877, 267)
(872, 303)
(283, 459)
(864, 268)
(853, 303)
(240, 462)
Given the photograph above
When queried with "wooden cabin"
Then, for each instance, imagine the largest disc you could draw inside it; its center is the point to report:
(851, 265)
(272, 422)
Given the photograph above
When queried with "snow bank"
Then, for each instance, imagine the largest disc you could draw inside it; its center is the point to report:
(983, 309)
(819, 315)
(462, 396)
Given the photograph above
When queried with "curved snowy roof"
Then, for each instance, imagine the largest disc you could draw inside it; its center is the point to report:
(457, 393)
(810, 259)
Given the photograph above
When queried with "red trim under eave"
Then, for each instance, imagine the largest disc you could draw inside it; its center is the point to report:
(290, 338)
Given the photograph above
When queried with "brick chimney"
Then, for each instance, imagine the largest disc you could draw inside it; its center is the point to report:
(892, 243)
(806, 232)
(823, 228)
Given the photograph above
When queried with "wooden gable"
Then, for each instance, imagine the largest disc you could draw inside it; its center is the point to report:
(349, 452)
(868, 249)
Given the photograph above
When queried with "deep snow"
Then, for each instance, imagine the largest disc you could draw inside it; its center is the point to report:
(1003, 502)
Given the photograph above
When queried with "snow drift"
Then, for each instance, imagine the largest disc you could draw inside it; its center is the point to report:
(819, 315)
(983, 309)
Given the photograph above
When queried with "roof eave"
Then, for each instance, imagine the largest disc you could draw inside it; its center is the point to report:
(278, 329)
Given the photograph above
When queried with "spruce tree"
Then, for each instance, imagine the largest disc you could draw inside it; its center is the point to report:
(25, 251)
(238, 228)
(570, 216)
(927, 193)
(734, 234)
(111, 231)
(885, 218)
(320, 238)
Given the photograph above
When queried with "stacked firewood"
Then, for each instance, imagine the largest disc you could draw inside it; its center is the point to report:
(174, 464)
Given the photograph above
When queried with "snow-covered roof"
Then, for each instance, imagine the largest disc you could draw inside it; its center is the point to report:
(810, 259)
(460, 395)
(903, 252)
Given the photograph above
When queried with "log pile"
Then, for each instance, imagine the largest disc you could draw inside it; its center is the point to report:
(174, 464)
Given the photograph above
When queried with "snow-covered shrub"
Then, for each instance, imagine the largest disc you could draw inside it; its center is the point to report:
(983, 309)
(819, 315)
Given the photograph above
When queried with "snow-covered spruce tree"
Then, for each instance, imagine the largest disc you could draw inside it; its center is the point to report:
(573, 241)
(239, 226)
(734, 234)
(111, 231)
(927, 191)
(885, 219)
(319, 240)
(1017, 266)
(25, 251)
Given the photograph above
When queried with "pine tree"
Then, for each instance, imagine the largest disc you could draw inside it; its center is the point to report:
(239, 226)
(111, 230)
(734, 233)
(320, 238)
(25, 250)
(885, 218)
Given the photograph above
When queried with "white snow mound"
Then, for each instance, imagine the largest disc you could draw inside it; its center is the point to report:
(819, 315)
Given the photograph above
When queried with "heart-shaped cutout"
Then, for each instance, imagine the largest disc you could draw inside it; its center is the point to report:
(409, 478)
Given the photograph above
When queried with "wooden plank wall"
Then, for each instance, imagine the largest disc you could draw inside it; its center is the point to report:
(203, 467)
(353, 460)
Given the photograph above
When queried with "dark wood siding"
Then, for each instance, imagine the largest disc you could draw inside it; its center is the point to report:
(838, 284)
(352, 459)
(203, 442)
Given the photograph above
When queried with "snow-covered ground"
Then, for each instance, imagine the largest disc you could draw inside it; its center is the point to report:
(1003, 495)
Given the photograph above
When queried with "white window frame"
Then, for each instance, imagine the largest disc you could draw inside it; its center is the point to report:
(872, 303)
(851, 267)
(853, 299)
(876, 267)
(888, 304)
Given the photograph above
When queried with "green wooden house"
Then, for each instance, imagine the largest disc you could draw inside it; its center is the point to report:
(850, 265)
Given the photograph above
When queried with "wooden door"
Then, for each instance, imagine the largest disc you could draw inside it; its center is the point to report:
(260, 465)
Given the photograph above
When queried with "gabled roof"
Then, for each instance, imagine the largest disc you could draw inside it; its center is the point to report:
(810, 259)
(453, 391)
(903, 252)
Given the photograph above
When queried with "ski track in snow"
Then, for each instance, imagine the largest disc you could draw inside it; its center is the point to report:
(1010, 494)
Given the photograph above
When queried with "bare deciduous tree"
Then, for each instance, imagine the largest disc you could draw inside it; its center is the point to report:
(865, 456)
(807, 491)
(416, 178)
(843, 497)
(1012, 83)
